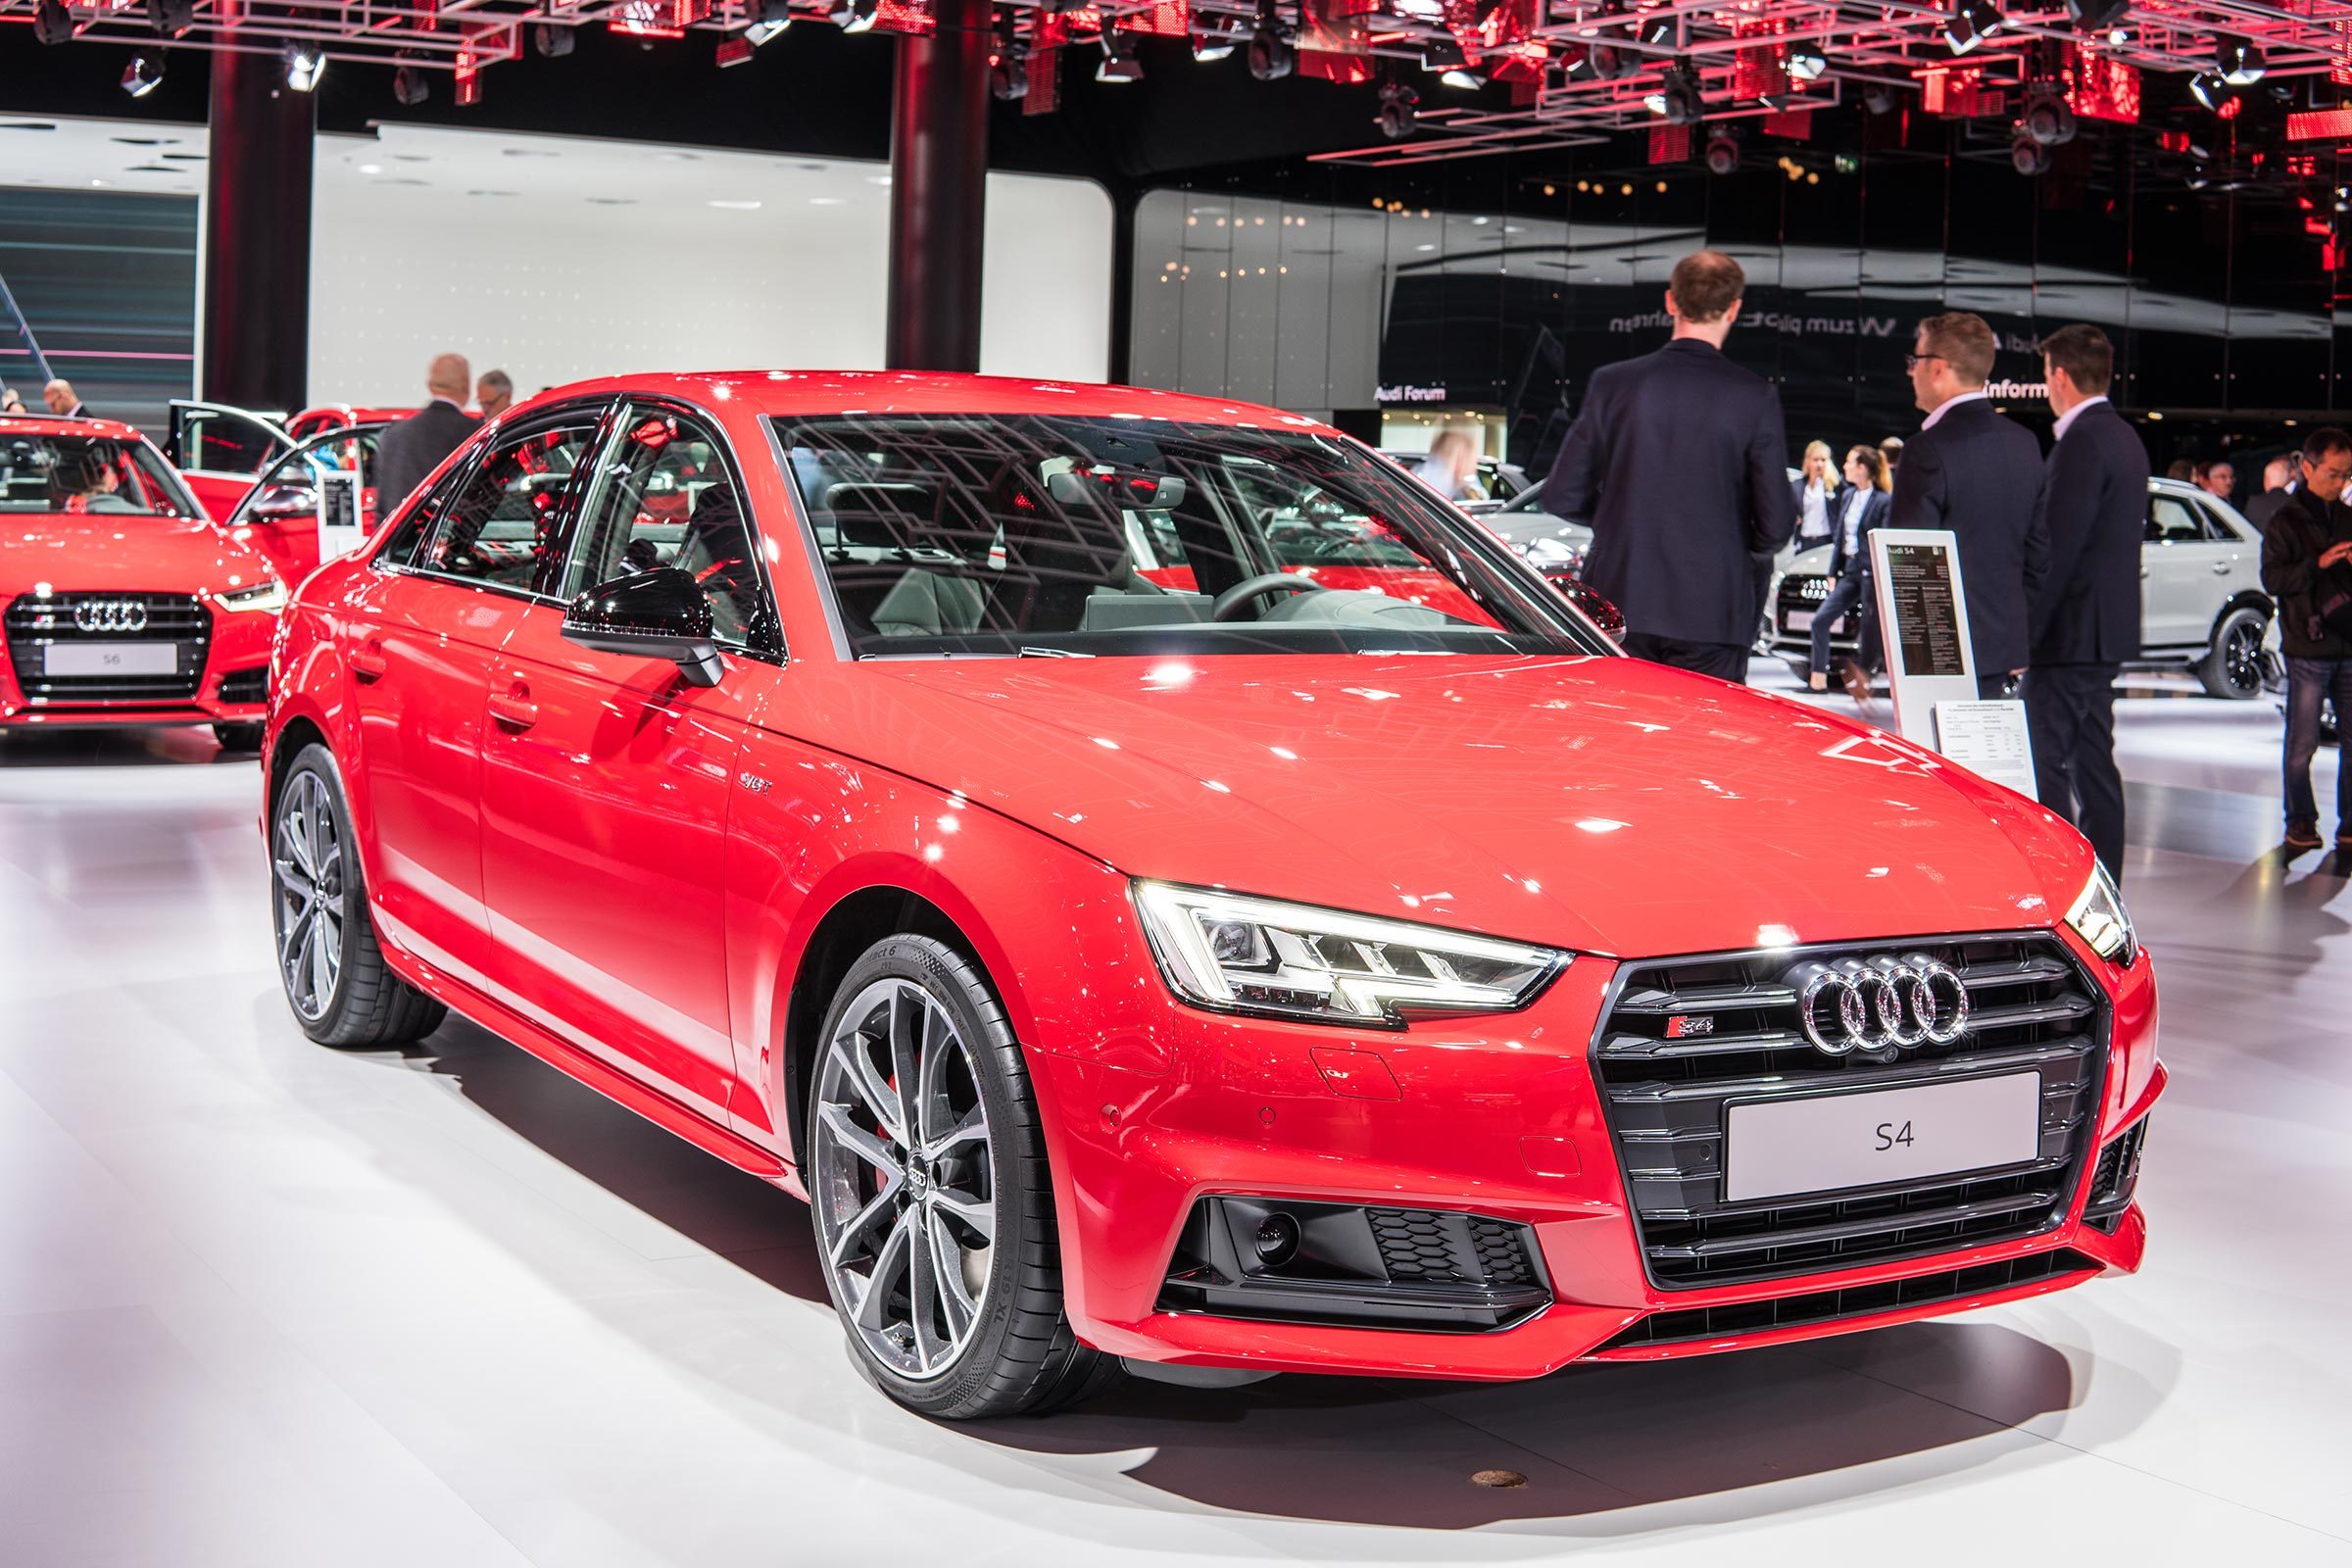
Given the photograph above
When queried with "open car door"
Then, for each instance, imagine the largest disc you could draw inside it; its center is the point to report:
(315, 502)
(221, 449)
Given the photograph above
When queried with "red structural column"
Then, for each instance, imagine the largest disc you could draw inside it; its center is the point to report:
(938, 191)
(257, 237)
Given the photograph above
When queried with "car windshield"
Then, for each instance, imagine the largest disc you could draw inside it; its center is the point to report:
(1046, 536)
(88, 473)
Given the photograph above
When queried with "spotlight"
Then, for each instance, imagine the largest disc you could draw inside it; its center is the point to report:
(1972, 22)
(2096, 15)
(1398, 111)
(1210, 47)
(1660, 31)
(1877, 99)
(142, 76)
(2048, 121)
(1009, 77)
(1119, 62)
(1271, 56)
(2240, 63)
(550, 41)
(171, 17)
(1462, 80)
(1677, 100)
(411, 86)
(305, 65)
(854, 15)
(2209, 89)
(1443, 54)
(51, 22)
(2028, 156)
(1723, 153)
(1807, 62)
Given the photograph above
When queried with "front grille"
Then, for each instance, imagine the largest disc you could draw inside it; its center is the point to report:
(1808, 591)
(2116, 1179)
(33, 625)
(1861, 1300)
(246, 685)
(1431, 1246)
(1668, 1084)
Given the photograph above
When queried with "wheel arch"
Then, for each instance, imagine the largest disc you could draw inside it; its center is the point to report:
(2243, 599)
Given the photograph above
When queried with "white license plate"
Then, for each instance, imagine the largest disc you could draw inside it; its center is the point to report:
(110, 658)
(1800, 620)
(1889, 1135)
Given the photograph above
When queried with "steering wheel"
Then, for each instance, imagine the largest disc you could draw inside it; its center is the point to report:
(1230, 603)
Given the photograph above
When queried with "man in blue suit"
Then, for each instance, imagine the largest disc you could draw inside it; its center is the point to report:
(1679, 461)
(2085, 607)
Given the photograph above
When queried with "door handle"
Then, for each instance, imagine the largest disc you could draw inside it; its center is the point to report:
(2143, 571)
(513, 706)
(367, 661)
(2223, 568)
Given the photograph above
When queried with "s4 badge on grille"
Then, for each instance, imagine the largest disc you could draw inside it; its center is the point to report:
(1683, 1025)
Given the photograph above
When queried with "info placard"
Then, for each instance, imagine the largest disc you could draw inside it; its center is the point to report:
(1991, 740)
(340, 530)
(1924, 612)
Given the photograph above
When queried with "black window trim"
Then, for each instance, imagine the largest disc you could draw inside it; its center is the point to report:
(462, 474)
(771, 624)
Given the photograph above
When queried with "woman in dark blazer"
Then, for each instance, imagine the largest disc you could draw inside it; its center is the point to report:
(1861, 509)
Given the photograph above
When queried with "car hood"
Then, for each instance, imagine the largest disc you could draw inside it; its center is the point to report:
(1605, 805)
(80, 552)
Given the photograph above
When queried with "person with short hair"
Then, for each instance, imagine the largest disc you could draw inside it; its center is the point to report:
(2085, 607)
(2186, 471)
(411, 449)
(2220, 479)
(494, 393)
(1452, 465)
(1977, 474)
(1678, 462)
(1891, 448)
(64, 402)
(2278, 483)
(2307, 568)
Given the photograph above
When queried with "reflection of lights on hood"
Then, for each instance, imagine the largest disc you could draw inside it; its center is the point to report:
(1600, 824)
(1776, 936)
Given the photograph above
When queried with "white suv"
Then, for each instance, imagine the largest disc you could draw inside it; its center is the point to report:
(2202, 605)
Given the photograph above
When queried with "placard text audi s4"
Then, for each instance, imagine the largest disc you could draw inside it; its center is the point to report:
(1171, 894)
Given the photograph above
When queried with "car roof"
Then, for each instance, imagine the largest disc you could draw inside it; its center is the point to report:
(37, 425)
(824, 392)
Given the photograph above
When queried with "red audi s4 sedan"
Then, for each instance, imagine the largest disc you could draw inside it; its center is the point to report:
(120, 602)
(1172, 895)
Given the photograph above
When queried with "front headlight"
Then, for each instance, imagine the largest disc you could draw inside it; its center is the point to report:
(2099, 919)
(269, 596)
(1292, 961)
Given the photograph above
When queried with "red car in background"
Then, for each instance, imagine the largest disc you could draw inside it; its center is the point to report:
(120, 602)
(948, 799)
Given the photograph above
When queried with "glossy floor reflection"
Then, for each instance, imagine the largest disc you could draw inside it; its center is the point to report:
(261, 1303)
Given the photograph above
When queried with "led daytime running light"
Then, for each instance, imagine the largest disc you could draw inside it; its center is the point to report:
(2099, 919)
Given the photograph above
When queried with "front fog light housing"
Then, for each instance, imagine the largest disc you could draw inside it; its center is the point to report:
(2098, 917)
(267, 596)
(1292, 961)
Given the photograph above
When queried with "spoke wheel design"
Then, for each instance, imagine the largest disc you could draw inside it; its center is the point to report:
(305, 853)
(904, 1178)
(2242, 657)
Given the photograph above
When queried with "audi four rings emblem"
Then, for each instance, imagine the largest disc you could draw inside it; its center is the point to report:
(1880, 1004)
(110, 615)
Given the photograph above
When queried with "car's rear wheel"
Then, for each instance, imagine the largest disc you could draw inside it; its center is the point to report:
(328, 961)
(2232, 667)
(926, 1173)
(238, 737)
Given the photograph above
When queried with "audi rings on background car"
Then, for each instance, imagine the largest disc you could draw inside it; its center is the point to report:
(1880, 1004)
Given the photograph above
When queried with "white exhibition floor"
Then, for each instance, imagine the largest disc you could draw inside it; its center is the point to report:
(263, 1303)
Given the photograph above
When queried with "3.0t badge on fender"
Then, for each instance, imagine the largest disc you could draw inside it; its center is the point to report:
(1880, 1004)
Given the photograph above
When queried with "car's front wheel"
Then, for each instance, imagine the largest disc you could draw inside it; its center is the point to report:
(2233, 665)
(926, 1171)
(328, 961)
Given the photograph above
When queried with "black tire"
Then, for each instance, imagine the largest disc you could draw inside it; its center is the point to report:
(2233, 666)
(1021, 1357)
(238, 737)
(364, 1005)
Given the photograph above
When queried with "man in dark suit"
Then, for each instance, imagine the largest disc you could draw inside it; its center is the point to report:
(1980, 476)
(410, 448)
(1679, 463)
(2085, 607)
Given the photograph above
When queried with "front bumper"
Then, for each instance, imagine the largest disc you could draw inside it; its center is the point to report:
(221, 676)
(1500, 1117)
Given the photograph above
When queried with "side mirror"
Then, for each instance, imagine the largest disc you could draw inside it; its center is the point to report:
(1597, 610)
(662, 613)
(279, 501)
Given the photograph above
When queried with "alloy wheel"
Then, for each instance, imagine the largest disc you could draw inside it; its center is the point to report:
(2241, 656)
(306, 861)
(902, 1178)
